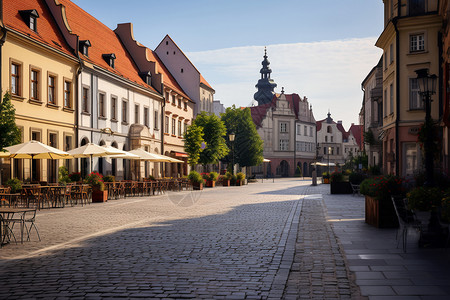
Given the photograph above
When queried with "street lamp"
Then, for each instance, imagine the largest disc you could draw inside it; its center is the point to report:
(427, 87)
(329, 150)
(231, 137)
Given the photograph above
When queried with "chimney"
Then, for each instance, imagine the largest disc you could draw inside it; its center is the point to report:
(340, 122)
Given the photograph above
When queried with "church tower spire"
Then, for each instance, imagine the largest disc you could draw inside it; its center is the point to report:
(265, 85)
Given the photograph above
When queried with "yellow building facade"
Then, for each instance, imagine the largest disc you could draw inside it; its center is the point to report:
(410, 41)
(39, 72)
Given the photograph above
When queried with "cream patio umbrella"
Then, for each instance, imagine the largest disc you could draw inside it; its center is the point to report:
(120, 153)
(145, 155)
(91, 150)
(36, 150)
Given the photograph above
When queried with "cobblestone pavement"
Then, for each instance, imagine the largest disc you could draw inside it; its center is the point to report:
(223, 243)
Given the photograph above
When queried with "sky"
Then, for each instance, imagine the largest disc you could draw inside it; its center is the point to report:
(320, 51)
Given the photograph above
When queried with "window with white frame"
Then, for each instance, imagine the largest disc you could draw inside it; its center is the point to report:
(415, 101)
(146, 116)
(299, 129)
(391, 53)
(391, 98)
(283, 127)
(417, 42)
(113, 108)
(101, 105)
(284, 145)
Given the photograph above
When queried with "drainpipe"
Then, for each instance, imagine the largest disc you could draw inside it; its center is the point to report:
(163, 113)
(364, 118)
(397, 101)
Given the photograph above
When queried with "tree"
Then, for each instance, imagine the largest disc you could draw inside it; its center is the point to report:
(248, 145)
(193, 140)
(9, 132)
(214, 131)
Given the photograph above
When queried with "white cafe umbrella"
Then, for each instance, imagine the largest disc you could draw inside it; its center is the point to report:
(120, 153)
(90, 150)
(36, 150)
(145, 155)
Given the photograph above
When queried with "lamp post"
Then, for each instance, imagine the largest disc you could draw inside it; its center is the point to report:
(329, 150)
(231, 137)
(427, 86)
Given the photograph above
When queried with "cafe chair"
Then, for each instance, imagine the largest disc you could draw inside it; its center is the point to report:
(30, 218)
(406, 219)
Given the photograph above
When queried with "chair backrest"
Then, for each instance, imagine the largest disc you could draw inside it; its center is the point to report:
(404, 215)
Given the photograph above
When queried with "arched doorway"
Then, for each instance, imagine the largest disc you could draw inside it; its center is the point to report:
(305, 169)
(284, 168)
(101, 160)
(84, 162)
(114, 161)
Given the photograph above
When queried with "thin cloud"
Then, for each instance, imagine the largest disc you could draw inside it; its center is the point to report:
(328, 73)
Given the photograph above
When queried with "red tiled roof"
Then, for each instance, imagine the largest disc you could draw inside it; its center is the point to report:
(203, 80)
(103, 41)
(259, 112)
(342, 130)
(356, 131)
(47, 31)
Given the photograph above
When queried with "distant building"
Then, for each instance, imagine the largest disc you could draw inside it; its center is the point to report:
(372, 117)
(186, 74)
(218, 108)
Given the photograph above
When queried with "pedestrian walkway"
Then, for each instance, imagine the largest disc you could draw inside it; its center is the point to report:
(280, 240)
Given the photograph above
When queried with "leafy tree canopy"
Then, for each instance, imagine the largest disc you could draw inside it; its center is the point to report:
(193, 140)
(9, 132)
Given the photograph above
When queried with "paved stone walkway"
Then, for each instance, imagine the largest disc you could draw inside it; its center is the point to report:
(281, 240)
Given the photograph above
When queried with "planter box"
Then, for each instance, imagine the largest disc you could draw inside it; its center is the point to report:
(380, 214)
(341, 188)
(197, 186)
(239, 182)
(226, 183)
(325, 180)
(210, 183)
(99, 196)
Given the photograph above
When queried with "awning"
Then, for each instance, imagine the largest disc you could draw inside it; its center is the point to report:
(179, 154)
(323, 164)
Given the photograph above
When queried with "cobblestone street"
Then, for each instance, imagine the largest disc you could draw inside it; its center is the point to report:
(281, 240)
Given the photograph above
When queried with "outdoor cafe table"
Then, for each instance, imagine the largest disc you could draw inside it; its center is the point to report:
(6, 215)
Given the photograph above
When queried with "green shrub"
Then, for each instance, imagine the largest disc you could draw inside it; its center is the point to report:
(326, 175)
(425, 198)
(227, 176)
(75, 176)
(109, 178)
(382, 187)
(357, 177)
(63, 175)
(195, 177)
(213, 176)
(240, 176)
(15, 184)
(95, 180)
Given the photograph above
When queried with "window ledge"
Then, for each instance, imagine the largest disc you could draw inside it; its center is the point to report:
(416, 110)
(68, 109)
(114, 120)
(185, 109)
(85, 113)
(166, 133)
(156, 129)
(35, 102)
(17, 98)
(125, 123)
(102, 118)
(52, 106)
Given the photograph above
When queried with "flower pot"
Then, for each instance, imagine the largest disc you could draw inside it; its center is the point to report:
(197, 186)
(239, 182)
(343, 187)
(226, 182)
(210, 183)
(99, 196)
(380, 213)
(326, 180)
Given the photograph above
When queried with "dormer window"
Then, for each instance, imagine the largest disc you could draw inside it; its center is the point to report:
(84, 47)
(30, 18)
(147, 77)
(109, 58)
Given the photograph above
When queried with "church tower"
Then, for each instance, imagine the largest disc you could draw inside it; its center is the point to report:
(265, 85)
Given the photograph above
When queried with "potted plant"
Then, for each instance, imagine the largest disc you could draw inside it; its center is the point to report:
(75, 177)
(424, 200)
(196, 179)
(338, 185)
(15, 184)
(379, 208)
(109, 178)
(326, 177)
(211, 179)
(226, 179)
(240, 177)
(95, 180)
(63, 175)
